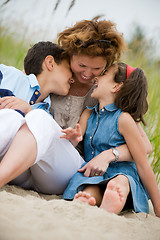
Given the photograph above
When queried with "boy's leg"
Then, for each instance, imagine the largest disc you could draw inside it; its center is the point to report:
(57, 160)
(54, 161)
(10, 122)
(19, 157)
(116, 194)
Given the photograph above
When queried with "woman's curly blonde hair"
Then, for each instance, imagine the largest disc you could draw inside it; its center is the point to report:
(93, 38)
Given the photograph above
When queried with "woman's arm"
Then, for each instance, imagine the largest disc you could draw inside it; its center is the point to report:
(128, 129)
(147, 144)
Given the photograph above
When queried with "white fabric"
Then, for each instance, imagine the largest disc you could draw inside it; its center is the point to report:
(57, 160)
(10, 122)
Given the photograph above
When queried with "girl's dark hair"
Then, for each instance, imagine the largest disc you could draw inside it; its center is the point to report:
(37, 54)
(132, 97)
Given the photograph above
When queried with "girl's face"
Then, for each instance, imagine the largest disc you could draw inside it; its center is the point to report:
(86, 68)
(105, 83)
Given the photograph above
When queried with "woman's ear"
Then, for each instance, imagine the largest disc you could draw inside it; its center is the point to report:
(117, 87)
(49, 62)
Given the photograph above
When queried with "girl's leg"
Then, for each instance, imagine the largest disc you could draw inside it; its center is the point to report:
(92, 195)
(116, 194)
(19, 157)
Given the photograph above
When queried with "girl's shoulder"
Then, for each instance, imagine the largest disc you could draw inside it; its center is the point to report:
(125, 118)
(125, 122)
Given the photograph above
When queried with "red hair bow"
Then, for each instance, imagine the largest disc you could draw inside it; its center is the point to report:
(129, 70)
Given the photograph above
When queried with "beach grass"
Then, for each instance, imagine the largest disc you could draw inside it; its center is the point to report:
(151, 69)
(12, 52)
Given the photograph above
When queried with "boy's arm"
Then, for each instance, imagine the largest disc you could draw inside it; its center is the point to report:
(12, 102)
(75, 135)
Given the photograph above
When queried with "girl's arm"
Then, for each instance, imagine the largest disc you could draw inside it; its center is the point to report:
(129, 130)
(75, 135)
(124, 153)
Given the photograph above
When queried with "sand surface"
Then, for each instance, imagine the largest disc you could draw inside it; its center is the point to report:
(26, 215)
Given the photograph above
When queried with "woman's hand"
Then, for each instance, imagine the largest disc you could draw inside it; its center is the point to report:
(74, 135)
(15, 103)
(97, 166)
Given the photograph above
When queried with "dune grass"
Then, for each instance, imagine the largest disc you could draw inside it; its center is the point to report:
(151, 68)
(12, 52)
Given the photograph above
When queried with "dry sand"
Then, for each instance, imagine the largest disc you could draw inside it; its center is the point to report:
(27, 215)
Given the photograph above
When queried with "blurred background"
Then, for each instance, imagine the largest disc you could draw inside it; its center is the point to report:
(43, 19)
(22, 23)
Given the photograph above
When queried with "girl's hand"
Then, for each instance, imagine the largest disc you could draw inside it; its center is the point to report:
(74, 135)
(15, 103)
(95, 167)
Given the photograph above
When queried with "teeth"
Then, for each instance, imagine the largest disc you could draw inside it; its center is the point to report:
(85, 77)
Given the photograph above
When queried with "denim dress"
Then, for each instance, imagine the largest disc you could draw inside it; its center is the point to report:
(102, 133)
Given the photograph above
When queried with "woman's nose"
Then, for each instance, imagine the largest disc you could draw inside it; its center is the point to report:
(88, 72)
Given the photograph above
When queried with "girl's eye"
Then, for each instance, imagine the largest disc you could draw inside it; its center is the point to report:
(82, 65)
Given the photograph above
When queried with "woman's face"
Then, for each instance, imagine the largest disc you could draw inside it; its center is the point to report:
(85, 68)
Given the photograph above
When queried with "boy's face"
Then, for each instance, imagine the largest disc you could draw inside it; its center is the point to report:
(62, 78)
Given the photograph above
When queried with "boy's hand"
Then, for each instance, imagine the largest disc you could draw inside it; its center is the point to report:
(74, 135)
(15, 103)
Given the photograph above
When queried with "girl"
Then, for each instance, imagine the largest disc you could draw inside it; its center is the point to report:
(111, 123)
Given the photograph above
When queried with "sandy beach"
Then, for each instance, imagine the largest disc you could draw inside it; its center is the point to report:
(26, 215)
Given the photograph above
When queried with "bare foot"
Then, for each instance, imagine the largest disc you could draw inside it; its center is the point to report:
(85, 197)
(113, 199)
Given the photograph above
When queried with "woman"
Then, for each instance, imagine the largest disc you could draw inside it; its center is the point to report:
(92, 46)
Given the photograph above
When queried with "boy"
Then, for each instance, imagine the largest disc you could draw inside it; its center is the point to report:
(47, 68)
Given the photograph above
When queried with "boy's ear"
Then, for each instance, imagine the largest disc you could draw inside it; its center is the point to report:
(49, 62)
(117, 87)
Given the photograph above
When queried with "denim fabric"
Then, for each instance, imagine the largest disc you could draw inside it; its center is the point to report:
(102, 134)
(102, 131)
